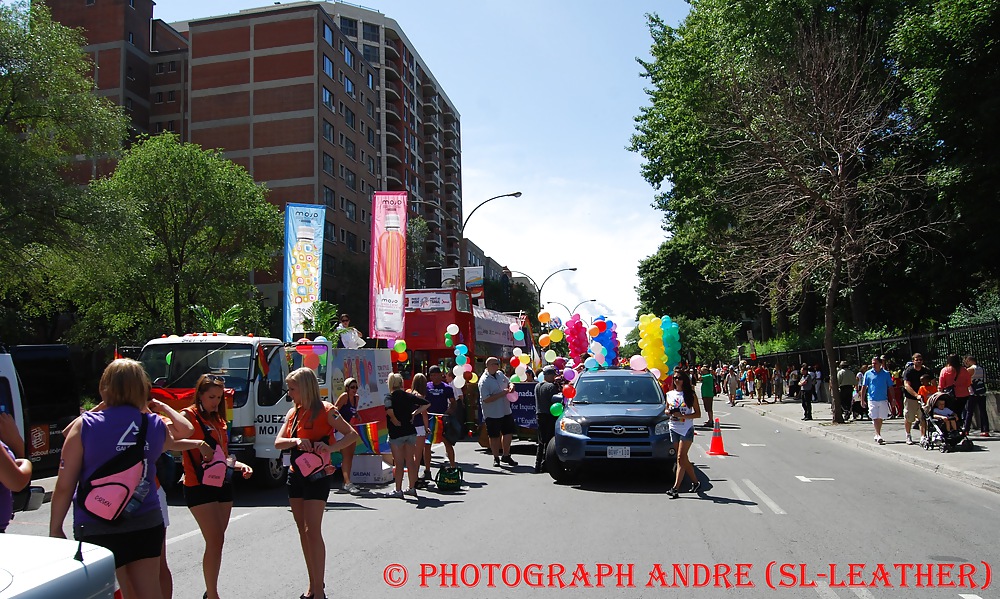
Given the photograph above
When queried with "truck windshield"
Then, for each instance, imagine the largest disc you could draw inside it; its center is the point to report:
(618, 389)
(178, 366)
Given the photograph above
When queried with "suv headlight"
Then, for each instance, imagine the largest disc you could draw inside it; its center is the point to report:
(570, 426)
(662, 427)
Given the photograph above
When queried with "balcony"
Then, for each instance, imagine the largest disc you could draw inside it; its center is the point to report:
(451, 165)
(392, 131)
(432, 124)
(453, 234)
(391, 71)
(434, 241)
(391, 112)
(428, 85)
(433, 182)
(432, 162)
(451, 185)
(431, 108)
(393, 156)
(391, 49)
(451, 148)
(453, 202)
(393, 91)
(433, 142)
(392, 175)
(451, 129)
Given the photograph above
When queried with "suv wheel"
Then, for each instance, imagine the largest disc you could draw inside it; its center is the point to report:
(556, 468)
(269, 473)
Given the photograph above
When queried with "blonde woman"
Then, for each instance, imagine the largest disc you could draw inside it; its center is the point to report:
(421, 422)
(347, 405)
(309, 426)
(400, 409)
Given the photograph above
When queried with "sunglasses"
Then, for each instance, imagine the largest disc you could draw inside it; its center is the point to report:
(215, 380)
(345, 320)
(353, 387)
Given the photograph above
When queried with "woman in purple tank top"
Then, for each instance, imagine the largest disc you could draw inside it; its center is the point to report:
(15, 473)
(135, 534)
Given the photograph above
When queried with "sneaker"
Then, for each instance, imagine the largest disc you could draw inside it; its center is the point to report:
(880, 440)
(354, 489)
(538, 470)
(427, 474)
(508, 460)
(496, 461)
(910, 441)
(411, 493)
(984, 434)
(672, 493)
(695, 486)
(423, 483)
(393, 494)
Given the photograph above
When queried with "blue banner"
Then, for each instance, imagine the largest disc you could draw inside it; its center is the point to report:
(304, 225)
(524, 408)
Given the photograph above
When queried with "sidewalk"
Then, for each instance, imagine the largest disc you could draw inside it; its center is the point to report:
(980, 468)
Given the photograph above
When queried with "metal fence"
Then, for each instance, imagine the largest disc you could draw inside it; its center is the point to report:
(981, 341)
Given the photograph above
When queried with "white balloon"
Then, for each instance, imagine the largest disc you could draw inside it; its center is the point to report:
(458, 370)
(517, 351)
(452, 329)
(521, 370)
(459, 382)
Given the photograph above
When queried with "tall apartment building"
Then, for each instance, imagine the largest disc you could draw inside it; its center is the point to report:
(292, 93)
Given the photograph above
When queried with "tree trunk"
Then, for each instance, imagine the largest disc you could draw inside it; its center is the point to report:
(177, 308)
(831, 360)
(766, 332)
(807, 312)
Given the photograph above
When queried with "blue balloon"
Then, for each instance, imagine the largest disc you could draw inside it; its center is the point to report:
(461, 349)
(461, 360)
(591, 363)
(320, 339)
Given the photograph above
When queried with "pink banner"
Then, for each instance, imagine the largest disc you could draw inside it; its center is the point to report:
(388, 271)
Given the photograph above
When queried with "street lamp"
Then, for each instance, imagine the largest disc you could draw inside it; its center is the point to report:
(461, 233)
(539, 287)
(573, 311)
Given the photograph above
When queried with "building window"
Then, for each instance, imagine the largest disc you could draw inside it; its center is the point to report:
(370, 32)
(350, 149)
(371, 81)
(364, 246)
(329, 262)
(170, 96)
(173, 67)
(364, 216)
(328, 98)
(352, 241)
(170, 125)
(159, 97)
(327, 163)
(158, 128)
(327, 131)
(129, 74)
(350, 179)
(131, 38)
(329, 233)
(370, 108)
(371, 165)
(349, 57)
(349, 118)
(128, 104)
(159, 68)
(328, 66)
(371, 53)
(349, 26)
(351, 209)
(343, 234)
(131, 3)
(328, 34)
(90, 2)
(371, 137)
(349, 86)
(330, 199)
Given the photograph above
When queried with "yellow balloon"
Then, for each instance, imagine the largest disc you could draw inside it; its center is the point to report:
(474, 378)
(524, 358)
(556, 335)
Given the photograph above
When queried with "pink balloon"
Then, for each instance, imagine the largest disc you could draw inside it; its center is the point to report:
(467, 367)
(512, 396)
(514, 328)
(637, 363)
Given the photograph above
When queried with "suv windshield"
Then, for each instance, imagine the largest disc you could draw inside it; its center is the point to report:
(611, 389)
(188, 361)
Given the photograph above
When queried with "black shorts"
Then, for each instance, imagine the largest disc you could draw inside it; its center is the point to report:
(300, 488)
(202, 494)
(128, 547)
(496, 427)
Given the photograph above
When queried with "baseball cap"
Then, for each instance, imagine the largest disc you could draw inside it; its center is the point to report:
(550, 369)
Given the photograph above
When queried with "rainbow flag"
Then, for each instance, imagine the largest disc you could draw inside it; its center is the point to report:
(369, 436)
(262, 364)
(436, 433)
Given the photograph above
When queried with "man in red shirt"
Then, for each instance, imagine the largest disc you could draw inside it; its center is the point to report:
(760, 376)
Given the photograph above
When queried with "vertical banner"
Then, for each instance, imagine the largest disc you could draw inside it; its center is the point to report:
(303, 262)
(388, 271)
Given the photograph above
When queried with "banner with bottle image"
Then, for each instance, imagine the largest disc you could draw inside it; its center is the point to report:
(388, 265)
(304, 225)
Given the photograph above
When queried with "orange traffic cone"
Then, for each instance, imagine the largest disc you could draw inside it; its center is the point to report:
(717, 448)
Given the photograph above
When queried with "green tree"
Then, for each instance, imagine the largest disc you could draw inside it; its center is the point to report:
(710, 340)
(417, 231)
(323, 318)
(193, 227)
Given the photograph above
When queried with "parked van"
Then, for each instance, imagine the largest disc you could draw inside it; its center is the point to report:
(254, 368)
(11, 403)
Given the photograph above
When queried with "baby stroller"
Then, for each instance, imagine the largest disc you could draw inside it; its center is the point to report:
(937, 436)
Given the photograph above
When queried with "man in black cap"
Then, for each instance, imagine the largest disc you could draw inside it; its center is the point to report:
(544, 391)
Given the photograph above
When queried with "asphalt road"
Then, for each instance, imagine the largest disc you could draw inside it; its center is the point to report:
(784, 508)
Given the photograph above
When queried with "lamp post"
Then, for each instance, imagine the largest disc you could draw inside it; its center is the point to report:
(573, 311)
(565, 307)
(461, 233)
(539, 287)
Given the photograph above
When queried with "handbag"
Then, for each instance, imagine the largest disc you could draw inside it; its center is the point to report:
(309, 464)
(449, 479)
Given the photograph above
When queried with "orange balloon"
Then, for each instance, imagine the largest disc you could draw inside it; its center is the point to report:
(594, 331)
(403, 356)
(544, 316)
(544, 341)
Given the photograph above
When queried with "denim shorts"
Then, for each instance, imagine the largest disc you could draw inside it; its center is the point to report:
(676, 436)
(405, 440)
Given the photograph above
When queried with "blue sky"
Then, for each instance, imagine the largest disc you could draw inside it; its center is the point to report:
(547, 92)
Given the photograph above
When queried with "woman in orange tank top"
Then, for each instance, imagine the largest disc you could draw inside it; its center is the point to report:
(308, 433)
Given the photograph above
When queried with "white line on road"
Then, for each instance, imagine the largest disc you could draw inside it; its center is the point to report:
(753, 444)
(862, 593)
(751, 505)
(767, 500)
(825, 591)
(967, 596)
(197, 531)
(809, 480)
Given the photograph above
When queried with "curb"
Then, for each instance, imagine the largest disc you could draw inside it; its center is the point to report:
(964, 476)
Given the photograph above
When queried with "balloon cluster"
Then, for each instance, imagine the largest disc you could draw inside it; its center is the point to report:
(555, 335)
(520, 365)
(604, 344)
(449, 335)
(516, 330)
(463, 368)
(576, 336)
(312, 354)
(660, 345)
(399, 351)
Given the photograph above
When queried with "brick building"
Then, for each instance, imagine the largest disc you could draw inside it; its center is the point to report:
(323, 102)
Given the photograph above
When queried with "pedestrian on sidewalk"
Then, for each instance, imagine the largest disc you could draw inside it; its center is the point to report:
(493, 389)
(806, 385)
(977, 401)
(732, 385)
(957, 381)
(875, 395)
(544, 392)
(845, 388)
(707, 393)
(682, 405)
(912, 377)
(778, 383)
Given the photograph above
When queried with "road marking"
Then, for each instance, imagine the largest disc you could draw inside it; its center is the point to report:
(751, 504)
(809, 480)
(825, 591)
(967, 596)
(197, 531)
(753, 444)
(862, 593)
(767, 500)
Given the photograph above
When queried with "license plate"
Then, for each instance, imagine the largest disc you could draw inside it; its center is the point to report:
(619, 452)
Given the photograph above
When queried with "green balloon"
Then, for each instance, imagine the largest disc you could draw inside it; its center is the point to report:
(400, 346)
(170, 357)
(556, 409)
(448, 343)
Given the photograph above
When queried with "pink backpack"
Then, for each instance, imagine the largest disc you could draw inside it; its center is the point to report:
(215, 471)
(106, 492)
